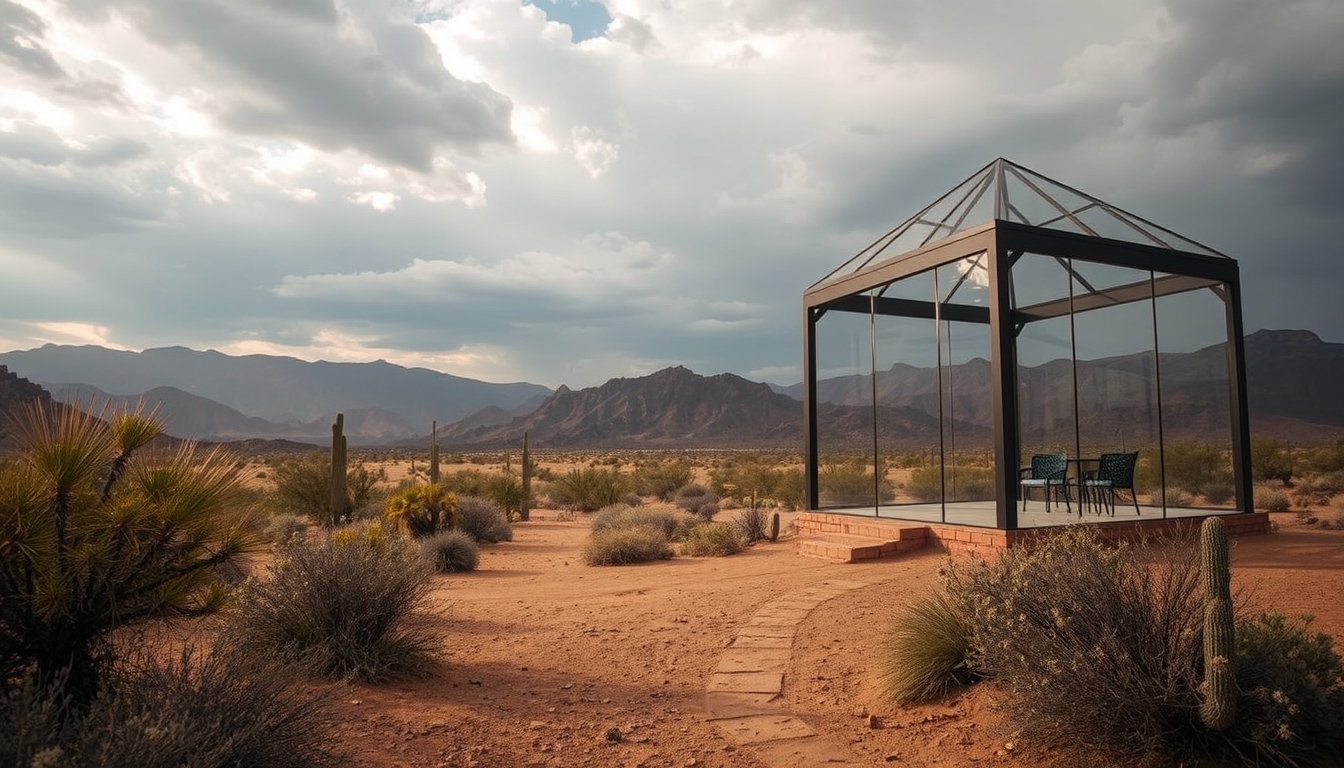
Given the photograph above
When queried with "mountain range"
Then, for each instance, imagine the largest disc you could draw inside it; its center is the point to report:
(211, 395)
(1292, 389)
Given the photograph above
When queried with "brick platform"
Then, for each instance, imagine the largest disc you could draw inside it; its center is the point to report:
(854, 538)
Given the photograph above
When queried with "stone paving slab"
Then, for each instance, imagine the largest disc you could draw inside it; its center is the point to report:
(754, 660)
(758, 729)
(722, 705)
(747, 682)
(771, 614)
(807, 753)
(763, 642)
(767, 630)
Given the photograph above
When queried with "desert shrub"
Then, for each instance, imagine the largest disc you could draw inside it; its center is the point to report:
(622, 516)
(1271, 500)
(588, 488)
(452, 552)
(621, 546)
(753, 523)
(661, 479)
(968, 483)
(1192, 466)
(713, 540)
(789, 489)
(1218, 493)
(925, 484)
(283, 528)
(506, 491)
(483, 520)
(466, 482)
(632, 500)
(1096, 643)
(1173, 497)
(1271, 460)
(851, 482)
(303, 487)
(928, 650)
(192, 710)
(422, 510)
(697, 500)
(1291, 680)
(1320, 488)
(339, 606)
(98, 531)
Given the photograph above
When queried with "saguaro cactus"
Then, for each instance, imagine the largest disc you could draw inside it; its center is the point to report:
(525, 510)
(774, 527)
(434, 452)
(337, 507)
(1218, 707)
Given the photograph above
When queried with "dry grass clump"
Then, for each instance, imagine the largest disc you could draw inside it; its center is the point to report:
(622, 546)
(928, 650)
(1271, 500)
(339, 606)
(713, 540)
(624, 534)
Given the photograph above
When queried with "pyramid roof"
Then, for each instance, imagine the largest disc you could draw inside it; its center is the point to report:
(1006, 191)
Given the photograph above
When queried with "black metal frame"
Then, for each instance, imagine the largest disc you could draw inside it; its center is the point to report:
(1003, 242)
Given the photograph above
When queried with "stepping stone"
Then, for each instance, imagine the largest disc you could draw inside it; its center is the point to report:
(768, 631)
(754, 660)
(746, 682)
(763, 642)
(722, 705)
(759, 729)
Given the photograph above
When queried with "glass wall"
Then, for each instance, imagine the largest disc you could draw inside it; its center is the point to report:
(1196, 395)
(1114, 364)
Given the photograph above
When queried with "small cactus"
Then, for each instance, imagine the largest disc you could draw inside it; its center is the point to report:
(434, 452)
(525, 510)
(1218, 706)
(337, 507)
(774, 526)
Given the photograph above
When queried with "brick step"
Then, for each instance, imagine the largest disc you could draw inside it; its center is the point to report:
(842, 548)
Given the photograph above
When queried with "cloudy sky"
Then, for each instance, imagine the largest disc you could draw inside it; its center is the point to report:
(562, 191)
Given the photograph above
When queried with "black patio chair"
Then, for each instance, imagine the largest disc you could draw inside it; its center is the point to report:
(1048, 471)
(1114, 472)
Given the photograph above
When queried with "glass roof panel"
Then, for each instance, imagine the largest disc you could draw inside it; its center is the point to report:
(1006, 191)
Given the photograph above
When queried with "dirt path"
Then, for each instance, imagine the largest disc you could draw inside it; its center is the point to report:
(552, 663)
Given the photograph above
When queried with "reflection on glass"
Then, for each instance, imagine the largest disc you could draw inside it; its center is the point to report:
(967, 391)
(1196, 402)
(845, 411)
(907, 398)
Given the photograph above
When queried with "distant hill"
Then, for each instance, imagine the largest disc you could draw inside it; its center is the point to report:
(283, 390)
(671, 408)
(677, 408)
(15, 393)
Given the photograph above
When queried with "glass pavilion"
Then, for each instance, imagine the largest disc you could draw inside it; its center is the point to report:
(1018, 317)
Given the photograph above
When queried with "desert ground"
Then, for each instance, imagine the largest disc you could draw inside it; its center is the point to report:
(548, 662)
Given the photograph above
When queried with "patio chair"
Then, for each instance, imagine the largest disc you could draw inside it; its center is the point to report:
(1114, 472)
(1048, 471)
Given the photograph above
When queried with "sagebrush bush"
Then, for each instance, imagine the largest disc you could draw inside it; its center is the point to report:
(928, 650)
(483, 520)
(622, 516)
(452, 552)
(1095, 645)
(283, 529)
(1291, 680)
(697, 500)
(713, 540)
(1271, 500)
(195, 709)
(621, 546)
(340, 606)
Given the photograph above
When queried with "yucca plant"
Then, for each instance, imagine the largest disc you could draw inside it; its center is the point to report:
(98, 531)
